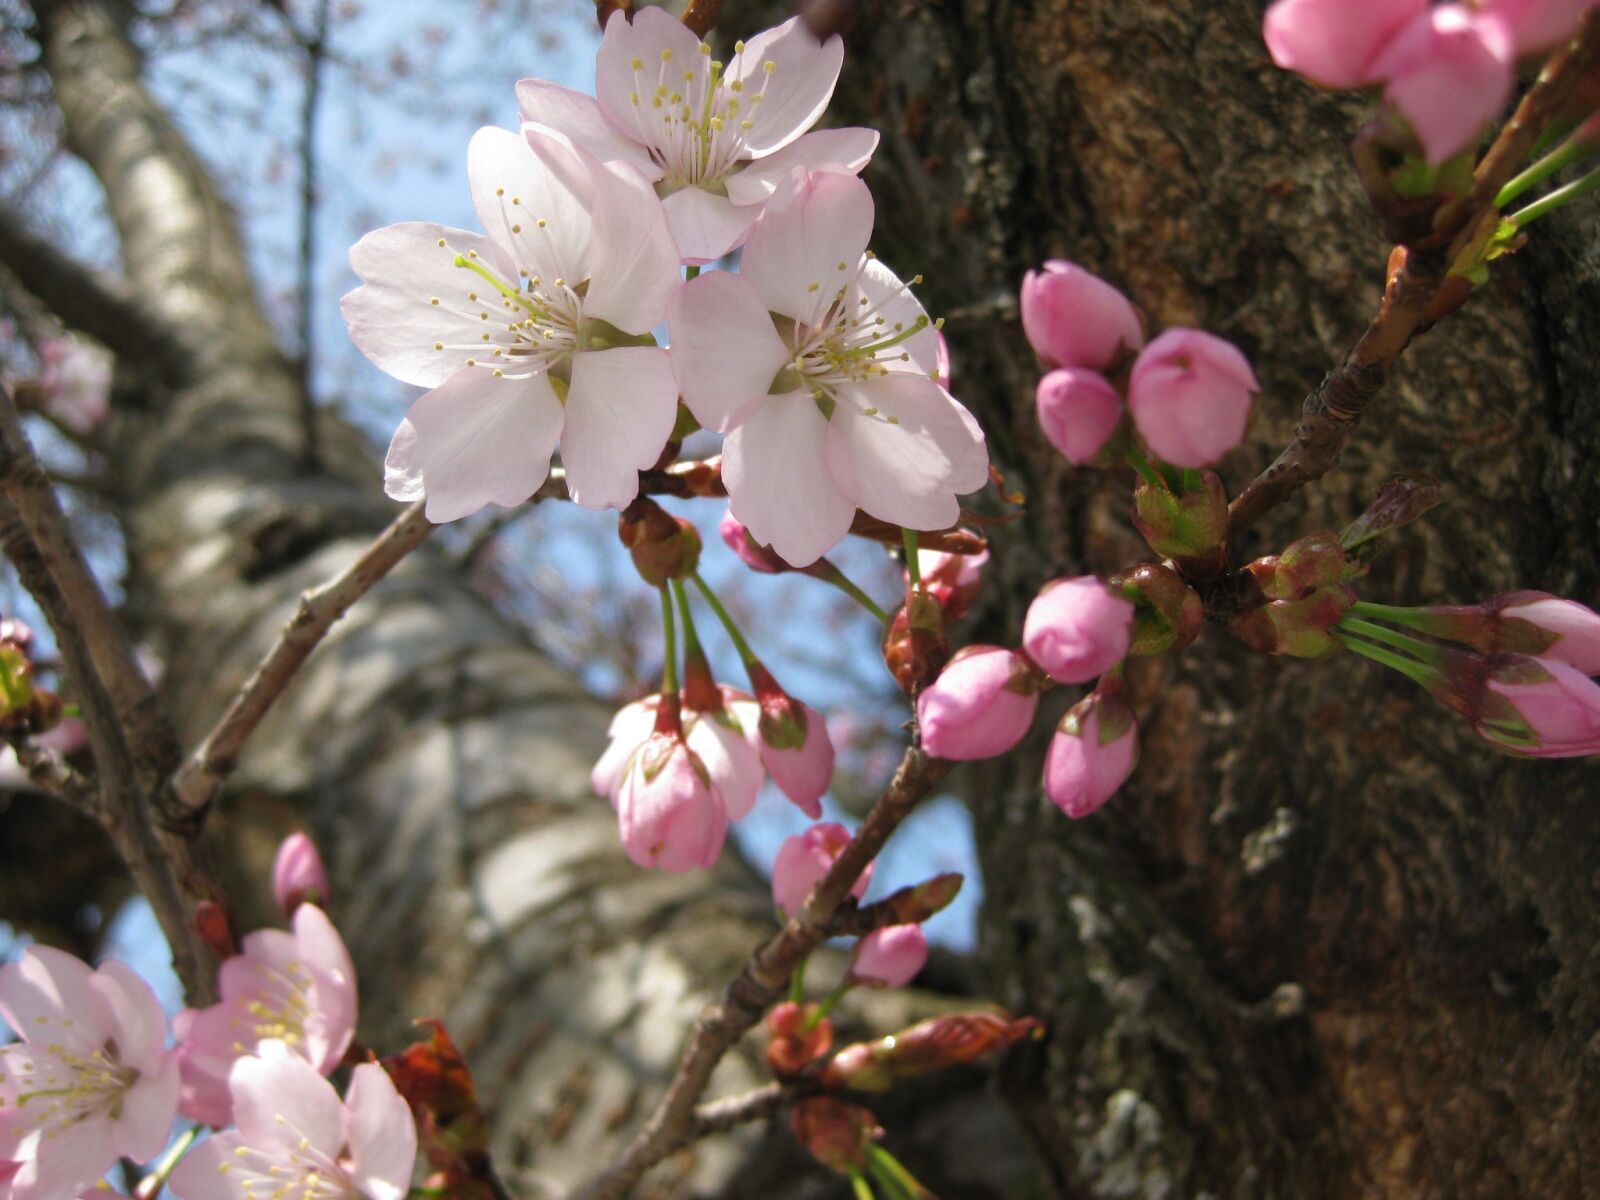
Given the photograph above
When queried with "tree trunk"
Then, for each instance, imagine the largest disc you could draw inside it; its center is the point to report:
(1324, 943)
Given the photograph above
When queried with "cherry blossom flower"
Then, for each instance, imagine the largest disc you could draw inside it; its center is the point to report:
(1189, 393)
(819, 365)
(671, 814)
(1335, 42)
(1093, 752)
(954, 579)
(981, 704)
(714, 139)
(296, 988)
(1449, 73)
(295, 1138)
(536, 333)
(1535, 25)
(89, 1082)
(725, 743)
(1078, 410)
(1539, 707)
(1077, 628)
(1073, 318)
(804, 859)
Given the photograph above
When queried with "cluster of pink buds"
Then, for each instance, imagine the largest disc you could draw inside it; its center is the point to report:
(1187, 391)
(1446, 68)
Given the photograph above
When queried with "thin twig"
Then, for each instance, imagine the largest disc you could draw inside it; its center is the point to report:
(197, 781)
(719, 1116)
(761, 981)
(51, 774)
(1331, 412)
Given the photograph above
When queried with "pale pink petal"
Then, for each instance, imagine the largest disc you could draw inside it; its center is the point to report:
(393, 317)
(804, 772)
(629, 728)
(46, 996)
(775, 466)
(620, 412)
(797, 87)
(279, 1098)
(200, 1175)
(579, 117)
(382, 1135)
(706, 226)
(810, 227)
(724, 349)
(139, 1025)
(148, 1110)
(635, 261)
(67, 1162)
(733, 764)
(615, 83)
(513, 191)
(332, 1022)
(847, 150)
(910, 472)
(475, 440)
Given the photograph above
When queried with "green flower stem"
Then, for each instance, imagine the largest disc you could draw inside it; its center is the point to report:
(859, 1185)
(152, 1183)
(831, 574)
(1378, 633)
(746, 654)
(1393, 613)
(1564, 194)
(691, 637)
(1141, 464)
(913, 567)
(669, 636)
(893, 1177)
(1191, 480)
(1570, 151)
(829, 1004)
(797, 984)
(1410, 668)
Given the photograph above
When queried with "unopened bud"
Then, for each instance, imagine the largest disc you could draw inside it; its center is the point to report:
(836, 1134)
(1190, 528)
(954, 579)
(1167, 613)
(1399, 502)
(664, 547)
(1306, 564)
(751, 552)
(915, 904)
(298, 876)
(1297, 628)
(890, 957)
(215, 928)
(796, 1037)
(1525, 622)
(932, 1045)
(916, 647)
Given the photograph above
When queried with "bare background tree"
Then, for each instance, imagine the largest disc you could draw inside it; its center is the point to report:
(1323, 944)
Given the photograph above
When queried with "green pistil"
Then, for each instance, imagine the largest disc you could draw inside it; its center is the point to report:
(510, 293)
(917, 327)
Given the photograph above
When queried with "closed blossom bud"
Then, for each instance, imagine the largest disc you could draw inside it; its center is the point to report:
(890, 957)
(1306, 564)
(836, 1134)
(1076, 629)
(1189, 393)
(1074, 318)
(298, 876)
(1449, 73)
(1334, 43)
(794, 743)
(916, 646)
(1078, 411)
(1535, 25)
(1189, 527)
(751, 552)
(1167, 612)
(1301, 628)
(804, 859)
(664, 547)
(953, 579)
(1533, 707)
(670, 816)
(1525, 622)
(932, 1045)
(1093, 752)
(796, 1038)
(980, 705)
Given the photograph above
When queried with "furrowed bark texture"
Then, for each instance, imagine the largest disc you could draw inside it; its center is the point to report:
(441, 762)
(1324, 943)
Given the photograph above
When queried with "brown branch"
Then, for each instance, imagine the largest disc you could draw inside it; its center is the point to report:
(761, 981)
(1334, 408)
(719, 1116)
(700, 15)
(55, 777)
(197, 781)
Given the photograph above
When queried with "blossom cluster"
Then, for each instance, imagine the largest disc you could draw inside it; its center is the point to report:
(1447, 69)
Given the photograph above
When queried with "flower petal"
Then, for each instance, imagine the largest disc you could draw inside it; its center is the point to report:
(139, 1025)
(620, 412)
(201, 1174)
(724, 349)
(730, 760)
(474, 440)
(845, 150)
(652, 32)
(629, 728)
(382, 1135)
(775, 465)
(636, 260)
(148, 1110)
(47, 996)
(581, 119)
(706, 226)
(279, 1098)
(795, 90)
(530, 212)
(67, 1162)
(413, 316)
(810, 226)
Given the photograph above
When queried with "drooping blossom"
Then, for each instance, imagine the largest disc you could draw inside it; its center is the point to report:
(1077, 628)
(804, 859)
(714, 139)
(724, 742)
(981, 704)
(1092, 753)
(890, 957)
(1078, 410)
(1335, 43)
(90, 1079)
(1523, 622)
(75, 379)
(296, 1139)
(296, 988)
(1073, 318)
(795, 746)
(953, 579)
(1540, 708)
(298, 876)
(1449, 73)
(818, 364)
(669, 809)
(1535, 25)
(535, 333)
(1189, 393)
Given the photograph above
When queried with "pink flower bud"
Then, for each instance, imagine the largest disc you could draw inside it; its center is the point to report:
(1449, 74)
(1189, 394)
(954, 579)
(1335, 42)
(1076, 629)
(1535, 25)
(1078, 411)
(1076, 319)
(795, 746)
(981, 704)
(670, 816)
(298, 876)
(890, 957)
(75, 376)
(804, 859)
(1576, 629)
(18, 633)
(1091, 755)
(754, 555)
(1547, 709)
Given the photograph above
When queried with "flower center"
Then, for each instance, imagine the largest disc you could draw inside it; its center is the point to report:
(279, 1007)
(695, 119)
(545, 320)
(295, 1172)
(57, 1088)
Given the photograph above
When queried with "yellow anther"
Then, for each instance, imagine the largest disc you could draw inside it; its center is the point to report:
(434, 301)
(738, 47)
(638, 63)
(499, 191)
(441, 241)
(769, 66)
(438, 345)
(541, 223)
(666, 56)
(498, 372)
(516, 229)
